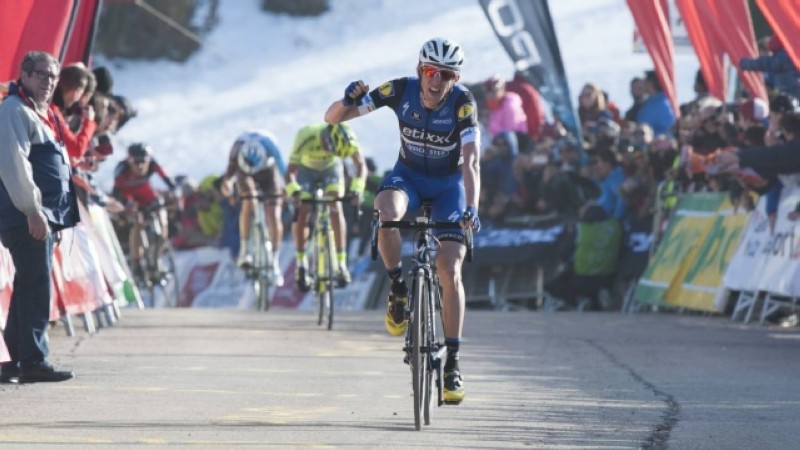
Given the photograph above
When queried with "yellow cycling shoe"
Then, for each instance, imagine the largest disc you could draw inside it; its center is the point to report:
(395, 319)
(453, 392)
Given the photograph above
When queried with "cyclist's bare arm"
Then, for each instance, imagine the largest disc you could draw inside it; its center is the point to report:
(291, 173)
(339, 112)
(361, 166)
(472, 173)
(226, 187)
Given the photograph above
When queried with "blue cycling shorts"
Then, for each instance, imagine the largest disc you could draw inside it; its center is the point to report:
(446, 194)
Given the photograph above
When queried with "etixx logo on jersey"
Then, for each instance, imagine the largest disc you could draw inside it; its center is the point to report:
(386, 89)
(465, 111)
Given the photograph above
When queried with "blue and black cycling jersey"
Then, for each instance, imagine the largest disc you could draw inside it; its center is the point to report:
(431, 140)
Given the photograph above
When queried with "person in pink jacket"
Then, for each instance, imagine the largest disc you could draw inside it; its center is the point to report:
(504, 107)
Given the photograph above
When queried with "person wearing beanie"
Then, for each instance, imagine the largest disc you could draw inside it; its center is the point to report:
(105, 82)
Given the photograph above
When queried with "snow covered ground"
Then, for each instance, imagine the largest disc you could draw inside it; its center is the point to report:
(277, 73)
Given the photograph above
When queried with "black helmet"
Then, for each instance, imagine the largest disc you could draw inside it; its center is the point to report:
(139, 150)
(783, 103)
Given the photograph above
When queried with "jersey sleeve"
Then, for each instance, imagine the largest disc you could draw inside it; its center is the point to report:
(235, 149)
(467, 117)
(159, 169)
(272, 150)
(388, 94)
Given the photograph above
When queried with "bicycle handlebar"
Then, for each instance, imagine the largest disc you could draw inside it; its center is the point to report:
(418, 225)
(326, 199)
(421, 223)
(261, 196)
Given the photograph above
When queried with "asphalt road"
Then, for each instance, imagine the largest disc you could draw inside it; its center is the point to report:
(227, 379)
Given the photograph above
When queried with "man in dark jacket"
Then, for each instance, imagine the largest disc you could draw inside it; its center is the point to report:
(37, 200)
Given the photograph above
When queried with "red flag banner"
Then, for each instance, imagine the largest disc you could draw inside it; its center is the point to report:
(707, 47)
(784, 18)
(63, 28)
(732, 25)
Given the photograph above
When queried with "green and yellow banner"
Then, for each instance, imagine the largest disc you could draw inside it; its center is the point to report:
(688, 268)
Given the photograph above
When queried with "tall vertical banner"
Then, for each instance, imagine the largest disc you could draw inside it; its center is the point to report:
(526, 31)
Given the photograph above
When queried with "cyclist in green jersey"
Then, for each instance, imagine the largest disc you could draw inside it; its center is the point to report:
(316, 160)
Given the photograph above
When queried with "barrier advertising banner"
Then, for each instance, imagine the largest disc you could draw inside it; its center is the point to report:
(699, 284)
(687, 230)
(768, 258)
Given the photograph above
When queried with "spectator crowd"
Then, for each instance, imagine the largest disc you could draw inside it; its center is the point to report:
(615, 185)
(615, 188)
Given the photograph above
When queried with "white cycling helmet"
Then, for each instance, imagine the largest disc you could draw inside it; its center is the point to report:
(253, 157)
(443, 53)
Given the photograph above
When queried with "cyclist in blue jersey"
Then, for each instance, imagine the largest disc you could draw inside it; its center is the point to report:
(255, 161)
(438, 162)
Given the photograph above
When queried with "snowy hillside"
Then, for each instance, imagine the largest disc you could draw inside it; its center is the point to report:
(277, 73)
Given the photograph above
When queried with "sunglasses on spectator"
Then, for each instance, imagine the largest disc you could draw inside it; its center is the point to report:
(431, 71)
(139, 162)
(44, 75)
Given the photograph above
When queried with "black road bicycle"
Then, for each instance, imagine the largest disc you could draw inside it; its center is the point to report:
(158, 261)
(423, 347)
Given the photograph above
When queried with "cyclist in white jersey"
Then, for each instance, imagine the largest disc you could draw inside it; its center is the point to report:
(438, 162)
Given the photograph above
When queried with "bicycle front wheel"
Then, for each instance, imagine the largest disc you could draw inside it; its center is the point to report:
(261, 259)
(324, 285)
(331, 275)
(430, 344)
(418, 359)
(169, 279)
(319, 277)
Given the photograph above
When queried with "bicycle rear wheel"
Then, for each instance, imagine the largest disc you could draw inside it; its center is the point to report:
(418, 359)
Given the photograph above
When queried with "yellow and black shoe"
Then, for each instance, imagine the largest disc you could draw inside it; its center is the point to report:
(453, 392)
(395, 319)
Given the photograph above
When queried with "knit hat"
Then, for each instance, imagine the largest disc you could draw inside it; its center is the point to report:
(105, 82)
(754, 109)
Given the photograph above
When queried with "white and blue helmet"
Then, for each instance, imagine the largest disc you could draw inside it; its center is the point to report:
(442, 53)
(253, 156)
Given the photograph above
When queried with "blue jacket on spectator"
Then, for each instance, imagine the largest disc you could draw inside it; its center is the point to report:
(229, 237)
(774, 197)
(610, 199)
(657, 112)
(500, 169)
(781, 71)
